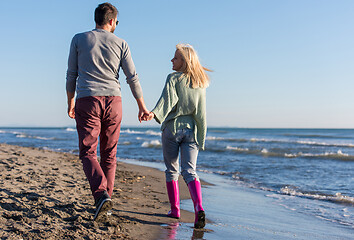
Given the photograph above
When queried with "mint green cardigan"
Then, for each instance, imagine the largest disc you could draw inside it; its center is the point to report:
(181, 106)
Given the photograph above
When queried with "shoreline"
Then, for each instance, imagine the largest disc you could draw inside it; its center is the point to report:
(45, 195)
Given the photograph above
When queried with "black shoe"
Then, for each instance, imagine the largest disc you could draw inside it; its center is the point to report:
(200, 223)
(103, 205)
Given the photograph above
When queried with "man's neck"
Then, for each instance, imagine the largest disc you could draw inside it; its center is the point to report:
(104, 27)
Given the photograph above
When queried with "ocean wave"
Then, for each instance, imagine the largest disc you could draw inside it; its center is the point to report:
(43, 138)
(151, 144)
(237, 149)
(130, 131)
(260, 140)
(205, 171)
(70, 129)
(291, 191)
(348, 145)
(212, 138)
(337, 198)
(315, 136)
(287, 190)
(148, 132)
(153, 133)
(214, 172)
(339, 155)
(263, 151)
(233, 175)
(22, 135)
(311, 143)
(46, 148)
(10, 132)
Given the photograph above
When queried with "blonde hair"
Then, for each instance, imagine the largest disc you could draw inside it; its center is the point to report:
(192, 68)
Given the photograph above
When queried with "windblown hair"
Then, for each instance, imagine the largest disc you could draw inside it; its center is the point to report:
(192, 68)
(105, 12)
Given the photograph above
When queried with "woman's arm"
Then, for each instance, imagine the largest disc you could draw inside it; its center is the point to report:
(167, 101)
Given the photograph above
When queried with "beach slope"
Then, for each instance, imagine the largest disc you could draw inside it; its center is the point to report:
(45, 195)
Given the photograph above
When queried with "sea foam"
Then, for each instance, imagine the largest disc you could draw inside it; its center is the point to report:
(151, 144)
(70, 129)
(338, 197)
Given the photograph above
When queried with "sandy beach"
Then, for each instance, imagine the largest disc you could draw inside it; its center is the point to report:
(45, 195)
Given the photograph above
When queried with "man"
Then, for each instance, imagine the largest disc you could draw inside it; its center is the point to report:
(93, 69)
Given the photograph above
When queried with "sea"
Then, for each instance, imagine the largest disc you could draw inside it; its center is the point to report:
(307, 171)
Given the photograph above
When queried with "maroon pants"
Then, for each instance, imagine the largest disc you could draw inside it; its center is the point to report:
(99, 117)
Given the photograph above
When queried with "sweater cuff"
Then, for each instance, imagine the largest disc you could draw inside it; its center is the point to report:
(136, 89)
(71, 81)
(157, 116)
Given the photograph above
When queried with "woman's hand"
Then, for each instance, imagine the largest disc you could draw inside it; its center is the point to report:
(148, 117)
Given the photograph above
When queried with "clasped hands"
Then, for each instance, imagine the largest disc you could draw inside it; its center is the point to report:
(146, 116)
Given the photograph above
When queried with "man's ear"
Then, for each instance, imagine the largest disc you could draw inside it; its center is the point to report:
(111, 22)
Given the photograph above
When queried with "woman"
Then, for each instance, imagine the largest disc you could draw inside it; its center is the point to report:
(181, 110)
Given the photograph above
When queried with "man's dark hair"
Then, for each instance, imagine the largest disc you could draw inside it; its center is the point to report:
(105, 12)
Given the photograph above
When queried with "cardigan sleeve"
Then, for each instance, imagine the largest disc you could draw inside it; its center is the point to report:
(201, 123)
(167, 101)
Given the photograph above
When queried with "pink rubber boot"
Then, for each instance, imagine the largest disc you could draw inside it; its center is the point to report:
(196, 193)
(173, 196)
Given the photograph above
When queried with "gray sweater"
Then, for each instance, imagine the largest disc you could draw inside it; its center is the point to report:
(94, 61)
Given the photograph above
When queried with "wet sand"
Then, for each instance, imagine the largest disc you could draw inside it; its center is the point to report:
(45, 195)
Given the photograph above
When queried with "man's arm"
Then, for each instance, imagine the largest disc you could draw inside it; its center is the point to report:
(71, 76)
(133, 81)
(71, 104)
(144, 113)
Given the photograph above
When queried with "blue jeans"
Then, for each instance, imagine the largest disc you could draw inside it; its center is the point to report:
(183, 141)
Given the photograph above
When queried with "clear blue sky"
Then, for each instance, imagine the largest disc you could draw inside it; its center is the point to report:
(277, 63)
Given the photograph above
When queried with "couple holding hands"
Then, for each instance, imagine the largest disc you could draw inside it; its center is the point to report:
(95, 59)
